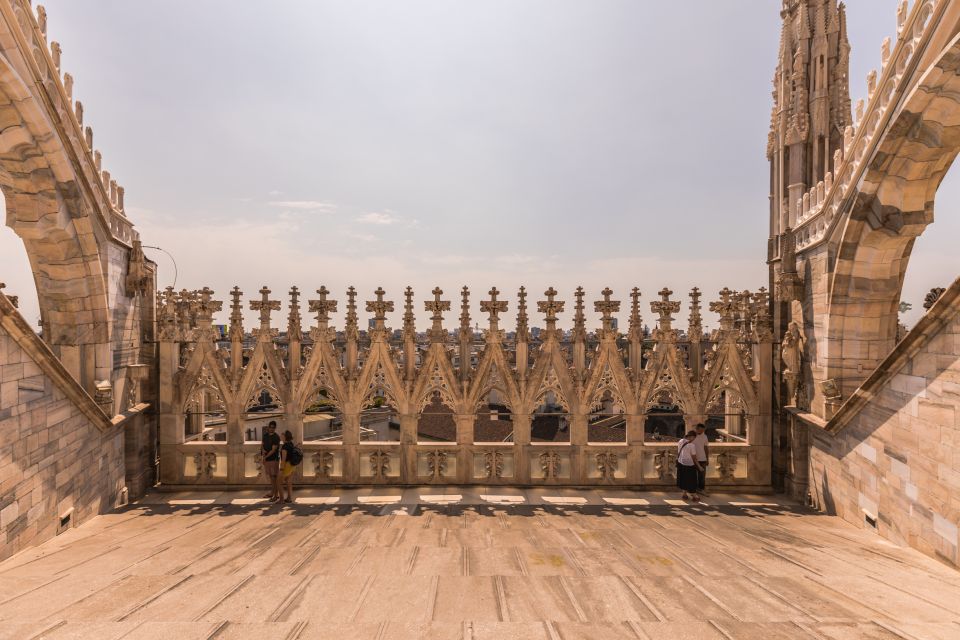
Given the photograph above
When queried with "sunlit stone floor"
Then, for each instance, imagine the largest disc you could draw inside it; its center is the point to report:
(450, 563)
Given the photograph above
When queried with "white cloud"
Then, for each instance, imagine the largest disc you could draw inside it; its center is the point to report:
(375, 217)
(304, 205)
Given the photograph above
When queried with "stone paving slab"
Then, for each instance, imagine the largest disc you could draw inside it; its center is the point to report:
(229, 565)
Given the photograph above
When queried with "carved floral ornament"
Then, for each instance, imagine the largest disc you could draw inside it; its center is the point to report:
(359, 368)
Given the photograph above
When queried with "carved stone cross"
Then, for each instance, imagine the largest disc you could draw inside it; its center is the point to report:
(726, 307)
(494, 307)
(551, 308)
(665, 306)
(207, 307)
(380, 308)
(265, 305)
(436, 307)
(607, 307)
(323, 307)
(236, 314)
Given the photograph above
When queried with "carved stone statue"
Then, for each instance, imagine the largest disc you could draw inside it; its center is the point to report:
(791, 350)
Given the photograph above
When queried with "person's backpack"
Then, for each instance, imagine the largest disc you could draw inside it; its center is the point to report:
(296, 455)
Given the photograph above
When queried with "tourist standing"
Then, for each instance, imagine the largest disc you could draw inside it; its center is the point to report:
(687, 466)
(270, 452)
(702, 443)
(290, 457)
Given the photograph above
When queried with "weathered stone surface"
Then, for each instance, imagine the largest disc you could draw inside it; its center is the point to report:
(407, 564)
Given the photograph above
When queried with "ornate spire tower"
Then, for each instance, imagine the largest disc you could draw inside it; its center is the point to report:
(811, 105)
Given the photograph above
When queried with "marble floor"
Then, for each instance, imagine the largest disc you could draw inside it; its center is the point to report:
(473, 563)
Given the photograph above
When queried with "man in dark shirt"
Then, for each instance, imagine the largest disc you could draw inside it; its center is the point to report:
(270, 451)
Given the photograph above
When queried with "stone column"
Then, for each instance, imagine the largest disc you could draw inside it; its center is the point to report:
(171, 429)
(465, 425)
(635, 443)
(408, 429)
(521, 447)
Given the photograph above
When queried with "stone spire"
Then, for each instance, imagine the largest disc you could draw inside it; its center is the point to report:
(409, 324)
(294, 329)
(409, 337)
(523, 330)
(466, 334)
(294, 334)
(352, 334)
(523, 334)
(236, 315)
(811, 104)
(635, 333)
(352, 327)
(695, 324)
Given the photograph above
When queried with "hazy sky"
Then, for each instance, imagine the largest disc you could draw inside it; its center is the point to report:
(506, 142)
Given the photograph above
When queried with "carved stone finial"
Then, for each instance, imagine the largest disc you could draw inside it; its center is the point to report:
(579, 320)
(665, 307)
(68, 85)
(409, 322)
(205, 307)
(294, 329)
(55, 53)
(236, 314)
(762, 324)
(464, 311)
(78, 111)
(379, 308)
(551, 308)
(607, 308)
(901, 15)
(352, 329)
(636, 322)
(522, 318)
(323, 307)
(727, 308)
(42, 19)
(167, 321)
(264, 305)
(494, 307)
(436, 307)
(695, 324)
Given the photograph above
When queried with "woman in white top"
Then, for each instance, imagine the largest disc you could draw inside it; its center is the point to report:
(687, 476)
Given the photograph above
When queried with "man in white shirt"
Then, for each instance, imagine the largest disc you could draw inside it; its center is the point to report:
(702, 446)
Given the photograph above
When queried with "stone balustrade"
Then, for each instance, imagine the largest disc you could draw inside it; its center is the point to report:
(605, 389)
